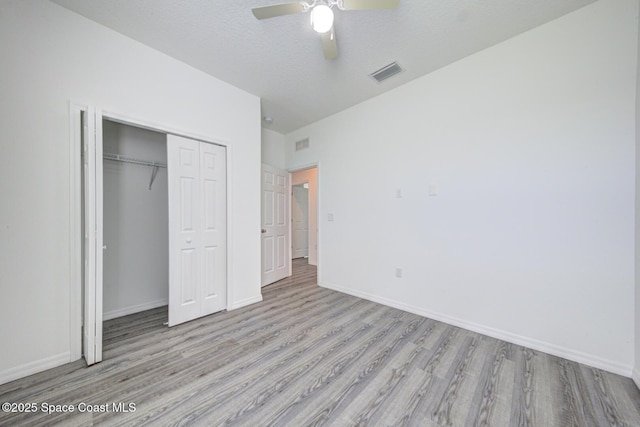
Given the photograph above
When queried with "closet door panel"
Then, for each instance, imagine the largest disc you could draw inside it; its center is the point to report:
(185, 221)
(197, 229)
(188, 276)
(186, 205)
(214, 197)
(210, 273)
(93, 234)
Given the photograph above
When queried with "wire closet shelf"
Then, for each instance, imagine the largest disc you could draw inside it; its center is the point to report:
(155, 165)
(124, 159)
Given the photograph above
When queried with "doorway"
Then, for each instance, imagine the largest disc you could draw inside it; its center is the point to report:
(304, 182)
(300, 221)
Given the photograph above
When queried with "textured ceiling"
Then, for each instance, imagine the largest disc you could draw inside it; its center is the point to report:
(280, 59)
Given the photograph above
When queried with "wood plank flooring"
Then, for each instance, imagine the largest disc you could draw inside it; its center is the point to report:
(309, 356)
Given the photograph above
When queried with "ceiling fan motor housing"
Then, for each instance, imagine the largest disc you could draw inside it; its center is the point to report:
(321, 18)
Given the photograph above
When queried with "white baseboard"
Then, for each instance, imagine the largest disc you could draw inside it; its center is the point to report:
(245, 302)
(34, 367)
(545, 347)
(134, 309)
(636, 376)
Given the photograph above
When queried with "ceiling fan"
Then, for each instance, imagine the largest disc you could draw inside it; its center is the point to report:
(322, 16)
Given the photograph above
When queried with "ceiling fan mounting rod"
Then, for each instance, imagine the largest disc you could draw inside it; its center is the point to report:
(330, 3)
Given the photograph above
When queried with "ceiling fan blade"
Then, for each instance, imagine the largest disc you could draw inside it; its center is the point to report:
(329, 45)
(368, 4)
(279, 9)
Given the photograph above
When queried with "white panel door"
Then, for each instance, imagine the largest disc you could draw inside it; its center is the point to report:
(275, 225)
(185, 219)
(300, 221)
(93, 239)
(213, 170)
(197, 229)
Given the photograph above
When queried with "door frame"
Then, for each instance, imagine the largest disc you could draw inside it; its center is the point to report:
(76, 108)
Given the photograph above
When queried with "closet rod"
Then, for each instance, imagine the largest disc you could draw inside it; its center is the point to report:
(119, 158)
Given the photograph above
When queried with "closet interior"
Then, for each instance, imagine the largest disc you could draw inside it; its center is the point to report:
(136, 223)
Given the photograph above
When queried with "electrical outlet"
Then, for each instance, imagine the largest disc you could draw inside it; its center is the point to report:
(398, 272)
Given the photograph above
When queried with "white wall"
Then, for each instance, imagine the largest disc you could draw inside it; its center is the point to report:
(529, 146)
(50, 57)
(136, 222)
(310, 176)
(273, 148)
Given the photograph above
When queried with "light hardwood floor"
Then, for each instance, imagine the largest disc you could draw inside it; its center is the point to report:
(311, 356)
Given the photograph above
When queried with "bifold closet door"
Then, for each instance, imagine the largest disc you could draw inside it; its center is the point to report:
(93, 238)
(197, 228)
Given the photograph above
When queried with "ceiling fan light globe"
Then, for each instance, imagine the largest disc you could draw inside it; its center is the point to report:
(321, 18)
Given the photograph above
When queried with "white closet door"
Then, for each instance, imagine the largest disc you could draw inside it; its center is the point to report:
(93, 242)
(183, 169)
(213, 170)
(197, 229)
(276, 258)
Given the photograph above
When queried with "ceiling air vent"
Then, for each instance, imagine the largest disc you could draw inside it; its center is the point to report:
(302, 144)
(387, 71)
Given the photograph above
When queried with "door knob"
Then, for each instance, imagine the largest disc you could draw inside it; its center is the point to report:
(263, 231)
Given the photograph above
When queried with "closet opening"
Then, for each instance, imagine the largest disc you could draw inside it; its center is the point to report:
(135, 220)
(152, 225)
